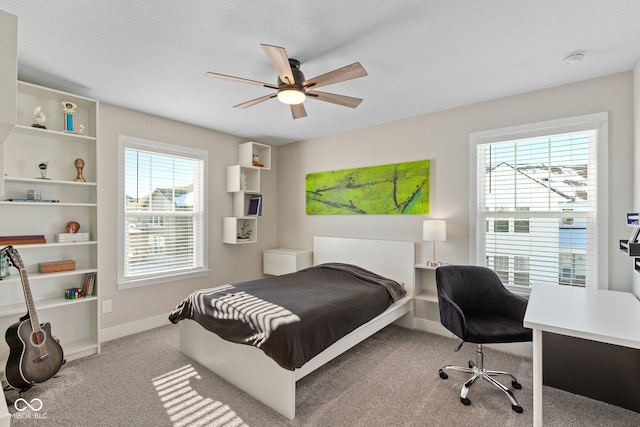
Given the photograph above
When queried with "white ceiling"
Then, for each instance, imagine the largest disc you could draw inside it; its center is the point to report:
(421, 55)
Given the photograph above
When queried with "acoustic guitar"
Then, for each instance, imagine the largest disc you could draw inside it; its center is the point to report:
(34, 354)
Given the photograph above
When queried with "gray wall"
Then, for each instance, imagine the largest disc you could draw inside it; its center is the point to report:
(443, 137)
(227, 263)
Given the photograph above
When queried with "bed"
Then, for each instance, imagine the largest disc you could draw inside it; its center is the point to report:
(251, 370)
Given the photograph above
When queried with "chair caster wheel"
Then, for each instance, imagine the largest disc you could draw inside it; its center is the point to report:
(443, 374)
(516, 385)
(467, 402)
(517, 408)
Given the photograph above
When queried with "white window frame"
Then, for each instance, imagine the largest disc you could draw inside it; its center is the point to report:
(129, 142)
(598, 121)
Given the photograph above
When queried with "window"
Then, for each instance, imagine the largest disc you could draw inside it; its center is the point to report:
(572, 269)
(540, 186)
(501, 267)
(501, 225)
(162, 222)
(521, 270)
(521, 225)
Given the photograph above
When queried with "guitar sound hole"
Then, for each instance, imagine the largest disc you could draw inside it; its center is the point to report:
(38, 338)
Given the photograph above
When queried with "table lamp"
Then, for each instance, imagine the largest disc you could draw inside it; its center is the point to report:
(434, 231)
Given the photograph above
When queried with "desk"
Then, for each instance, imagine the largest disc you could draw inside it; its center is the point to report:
(594, 314)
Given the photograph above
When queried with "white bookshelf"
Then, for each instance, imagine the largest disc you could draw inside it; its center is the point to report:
(243, 182)
(8, 77)
(74, 321)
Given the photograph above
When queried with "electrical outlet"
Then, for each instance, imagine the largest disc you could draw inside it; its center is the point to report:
(106, 306)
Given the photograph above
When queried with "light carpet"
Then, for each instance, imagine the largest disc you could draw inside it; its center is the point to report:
(391, 379)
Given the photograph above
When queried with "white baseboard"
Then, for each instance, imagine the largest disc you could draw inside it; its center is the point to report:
(119, 331)
(431, 327)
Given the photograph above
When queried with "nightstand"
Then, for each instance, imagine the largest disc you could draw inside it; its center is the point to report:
(426, 310)
(283, 261)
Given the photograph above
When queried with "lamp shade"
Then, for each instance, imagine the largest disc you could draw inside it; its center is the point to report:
(434, 230)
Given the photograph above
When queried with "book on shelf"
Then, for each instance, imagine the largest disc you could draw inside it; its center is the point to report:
(33, 200)
(22, 239)
(22, 242)
(89, 284)
(243, 182)
(255, 206)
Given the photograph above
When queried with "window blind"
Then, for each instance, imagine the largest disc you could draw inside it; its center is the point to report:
(537, 208)
(164, 213)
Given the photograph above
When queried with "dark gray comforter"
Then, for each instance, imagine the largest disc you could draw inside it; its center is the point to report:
(293, 317)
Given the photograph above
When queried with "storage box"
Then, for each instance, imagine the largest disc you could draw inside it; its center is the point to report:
(72, 237)
(56, 266)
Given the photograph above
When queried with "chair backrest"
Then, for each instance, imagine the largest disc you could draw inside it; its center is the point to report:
(472, 288)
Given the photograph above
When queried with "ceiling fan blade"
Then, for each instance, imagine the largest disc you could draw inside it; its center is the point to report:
(240, 80)
(348, 72)
(280, 61)
(298, 111)
(346, 101)
(255, 101)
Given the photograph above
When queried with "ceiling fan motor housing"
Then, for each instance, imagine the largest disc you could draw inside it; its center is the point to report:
(298, 77)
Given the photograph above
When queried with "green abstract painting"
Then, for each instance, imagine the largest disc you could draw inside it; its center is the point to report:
(401, 188)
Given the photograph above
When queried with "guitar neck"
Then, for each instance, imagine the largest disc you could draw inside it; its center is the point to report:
(33, 316)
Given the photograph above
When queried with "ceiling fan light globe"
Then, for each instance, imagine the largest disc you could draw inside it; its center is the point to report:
(291, 96)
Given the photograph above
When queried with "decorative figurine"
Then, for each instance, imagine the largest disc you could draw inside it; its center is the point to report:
(43, 169)
(73, 227)
(39, 117)
(256, 161)
(81, 129)
(69, 108)
(79, 164)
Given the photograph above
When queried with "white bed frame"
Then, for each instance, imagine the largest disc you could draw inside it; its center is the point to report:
(249, 369)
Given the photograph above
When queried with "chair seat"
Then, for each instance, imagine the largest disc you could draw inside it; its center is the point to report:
(486, 328)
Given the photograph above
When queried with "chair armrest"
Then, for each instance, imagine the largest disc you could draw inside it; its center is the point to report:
(451, 316)
(514, 306)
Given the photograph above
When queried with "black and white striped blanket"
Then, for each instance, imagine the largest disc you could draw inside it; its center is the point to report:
(226, 303)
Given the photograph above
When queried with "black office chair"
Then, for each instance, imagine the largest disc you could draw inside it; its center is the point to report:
(477, 308)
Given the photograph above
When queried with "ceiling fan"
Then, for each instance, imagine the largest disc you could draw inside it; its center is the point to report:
(293, 89)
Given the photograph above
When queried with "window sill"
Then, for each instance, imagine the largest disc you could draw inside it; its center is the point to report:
(147, 281)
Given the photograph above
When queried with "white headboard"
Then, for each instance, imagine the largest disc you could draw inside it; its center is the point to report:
(389, 258)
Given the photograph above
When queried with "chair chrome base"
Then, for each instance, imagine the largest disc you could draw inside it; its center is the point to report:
(477, 370)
